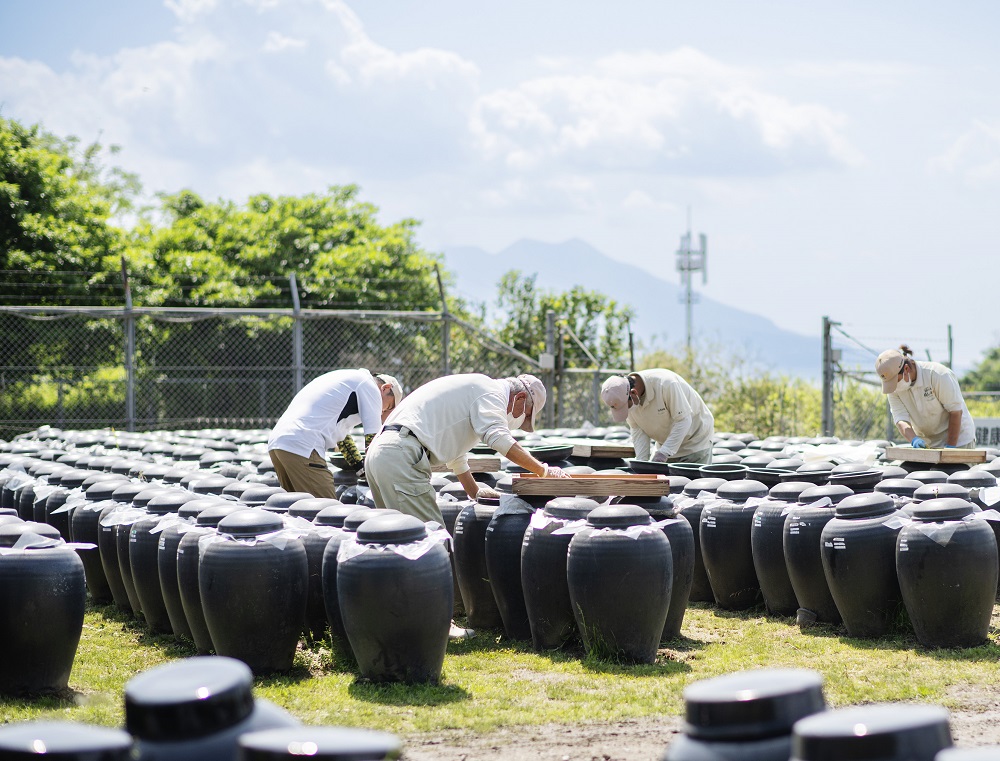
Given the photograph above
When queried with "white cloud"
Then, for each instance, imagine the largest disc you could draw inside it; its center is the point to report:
(974, 157)
(646, 112)
(188, 10)
(277, 42)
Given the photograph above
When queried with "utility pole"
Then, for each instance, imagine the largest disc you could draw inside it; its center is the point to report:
(829, 357)
(689, 261)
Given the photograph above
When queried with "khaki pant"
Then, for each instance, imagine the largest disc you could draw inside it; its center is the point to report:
(399, 475)
(704, 457)
(309, 474)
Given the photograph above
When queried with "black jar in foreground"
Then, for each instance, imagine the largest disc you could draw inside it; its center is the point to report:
(481, 609)
(543, 571)
(982, 753)
(253, 590)
(196, 709)
(42, 599)
(873, 733)
(64, 741)
(746, 716)
(947, 570)
(320, 744)
(859, 561)
(618, 619)
(395, 593)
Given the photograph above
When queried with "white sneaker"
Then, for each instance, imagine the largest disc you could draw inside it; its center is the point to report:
(457, 632)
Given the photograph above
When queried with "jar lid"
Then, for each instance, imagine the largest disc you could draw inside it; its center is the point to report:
(198, 505)
(285, 499)
(741, 491)
(169, 501)
(74, 478)
(901, 487)
(618, 516)
(359, 515)
(250, 523)
(126, 492)
(970, 479)
(142, 498)
(571, 508)
(208, 484)
(190, 698)
(836, 492)
(63, 739)
(751, 704)
(211, 516)
(860, 478)
(148, 470)
(11, 532)
(696, 486)
(940, 489)
(865, 506)
(942, 509)
(788, 491)
(101, 490)
(929, 476)
(257, 495)
(175, 474)
(391, 529)
(319, 743)
(787, 463)
(872, 732)
(334, 515)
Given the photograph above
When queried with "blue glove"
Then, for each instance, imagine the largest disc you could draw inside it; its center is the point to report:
(950, 446)
(918, 443)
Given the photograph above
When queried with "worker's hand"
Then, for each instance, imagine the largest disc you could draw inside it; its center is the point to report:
(551, 471)
(918, 443)
(950, 446)
(659, 457)
(487, 493)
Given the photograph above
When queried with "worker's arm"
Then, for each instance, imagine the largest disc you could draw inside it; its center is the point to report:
(520, 456)
(470, 484)
(905, 429)
(954, 427)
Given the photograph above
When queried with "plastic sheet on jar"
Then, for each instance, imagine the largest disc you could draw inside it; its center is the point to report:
(124, 517)
(71, 503)
(990, 495)
(983, 515)
(821, 502)
(939, 532)
(96, 507)
(897, 522)
(168, 520)
(29, 541)
(279, 539)
(351, 548)
(633, 532)
(511, 504)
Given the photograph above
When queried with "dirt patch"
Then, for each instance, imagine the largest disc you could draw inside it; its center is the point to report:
(975, 721)
(631, 740)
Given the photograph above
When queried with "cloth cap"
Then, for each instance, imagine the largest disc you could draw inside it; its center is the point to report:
(536, 390)
(397, 389)
(888, 366)
(614, 393)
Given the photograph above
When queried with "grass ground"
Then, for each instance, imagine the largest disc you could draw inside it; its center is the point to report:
(489, 682)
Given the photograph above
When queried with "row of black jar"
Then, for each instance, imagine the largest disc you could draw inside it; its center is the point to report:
(196, 709)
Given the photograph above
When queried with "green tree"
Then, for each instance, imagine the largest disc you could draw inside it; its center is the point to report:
(598, 322)
(985, 376)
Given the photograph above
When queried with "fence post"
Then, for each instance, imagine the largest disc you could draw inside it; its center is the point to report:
(129, 325)
(445, 326)
(297, 368)
(550, 379)
(596, 388)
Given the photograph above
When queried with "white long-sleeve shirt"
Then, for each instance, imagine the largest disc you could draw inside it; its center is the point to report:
(670, 413)
(926, 405)
(313, 418)
(450, 415)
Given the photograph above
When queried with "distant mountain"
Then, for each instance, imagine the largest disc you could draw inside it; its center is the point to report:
(659, 319)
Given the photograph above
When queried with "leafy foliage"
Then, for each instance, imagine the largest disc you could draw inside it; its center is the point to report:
(986, 375)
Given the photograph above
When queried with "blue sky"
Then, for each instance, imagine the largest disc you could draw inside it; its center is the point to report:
(842, 157)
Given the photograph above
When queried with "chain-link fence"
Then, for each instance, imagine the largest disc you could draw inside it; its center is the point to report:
(148, 368)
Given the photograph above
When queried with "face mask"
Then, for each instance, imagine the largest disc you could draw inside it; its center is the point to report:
(514, 423)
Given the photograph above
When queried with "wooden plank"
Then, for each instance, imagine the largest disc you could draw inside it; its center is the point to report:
(936, 456)
(593, 486)
(594, 448)
(477, 464)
